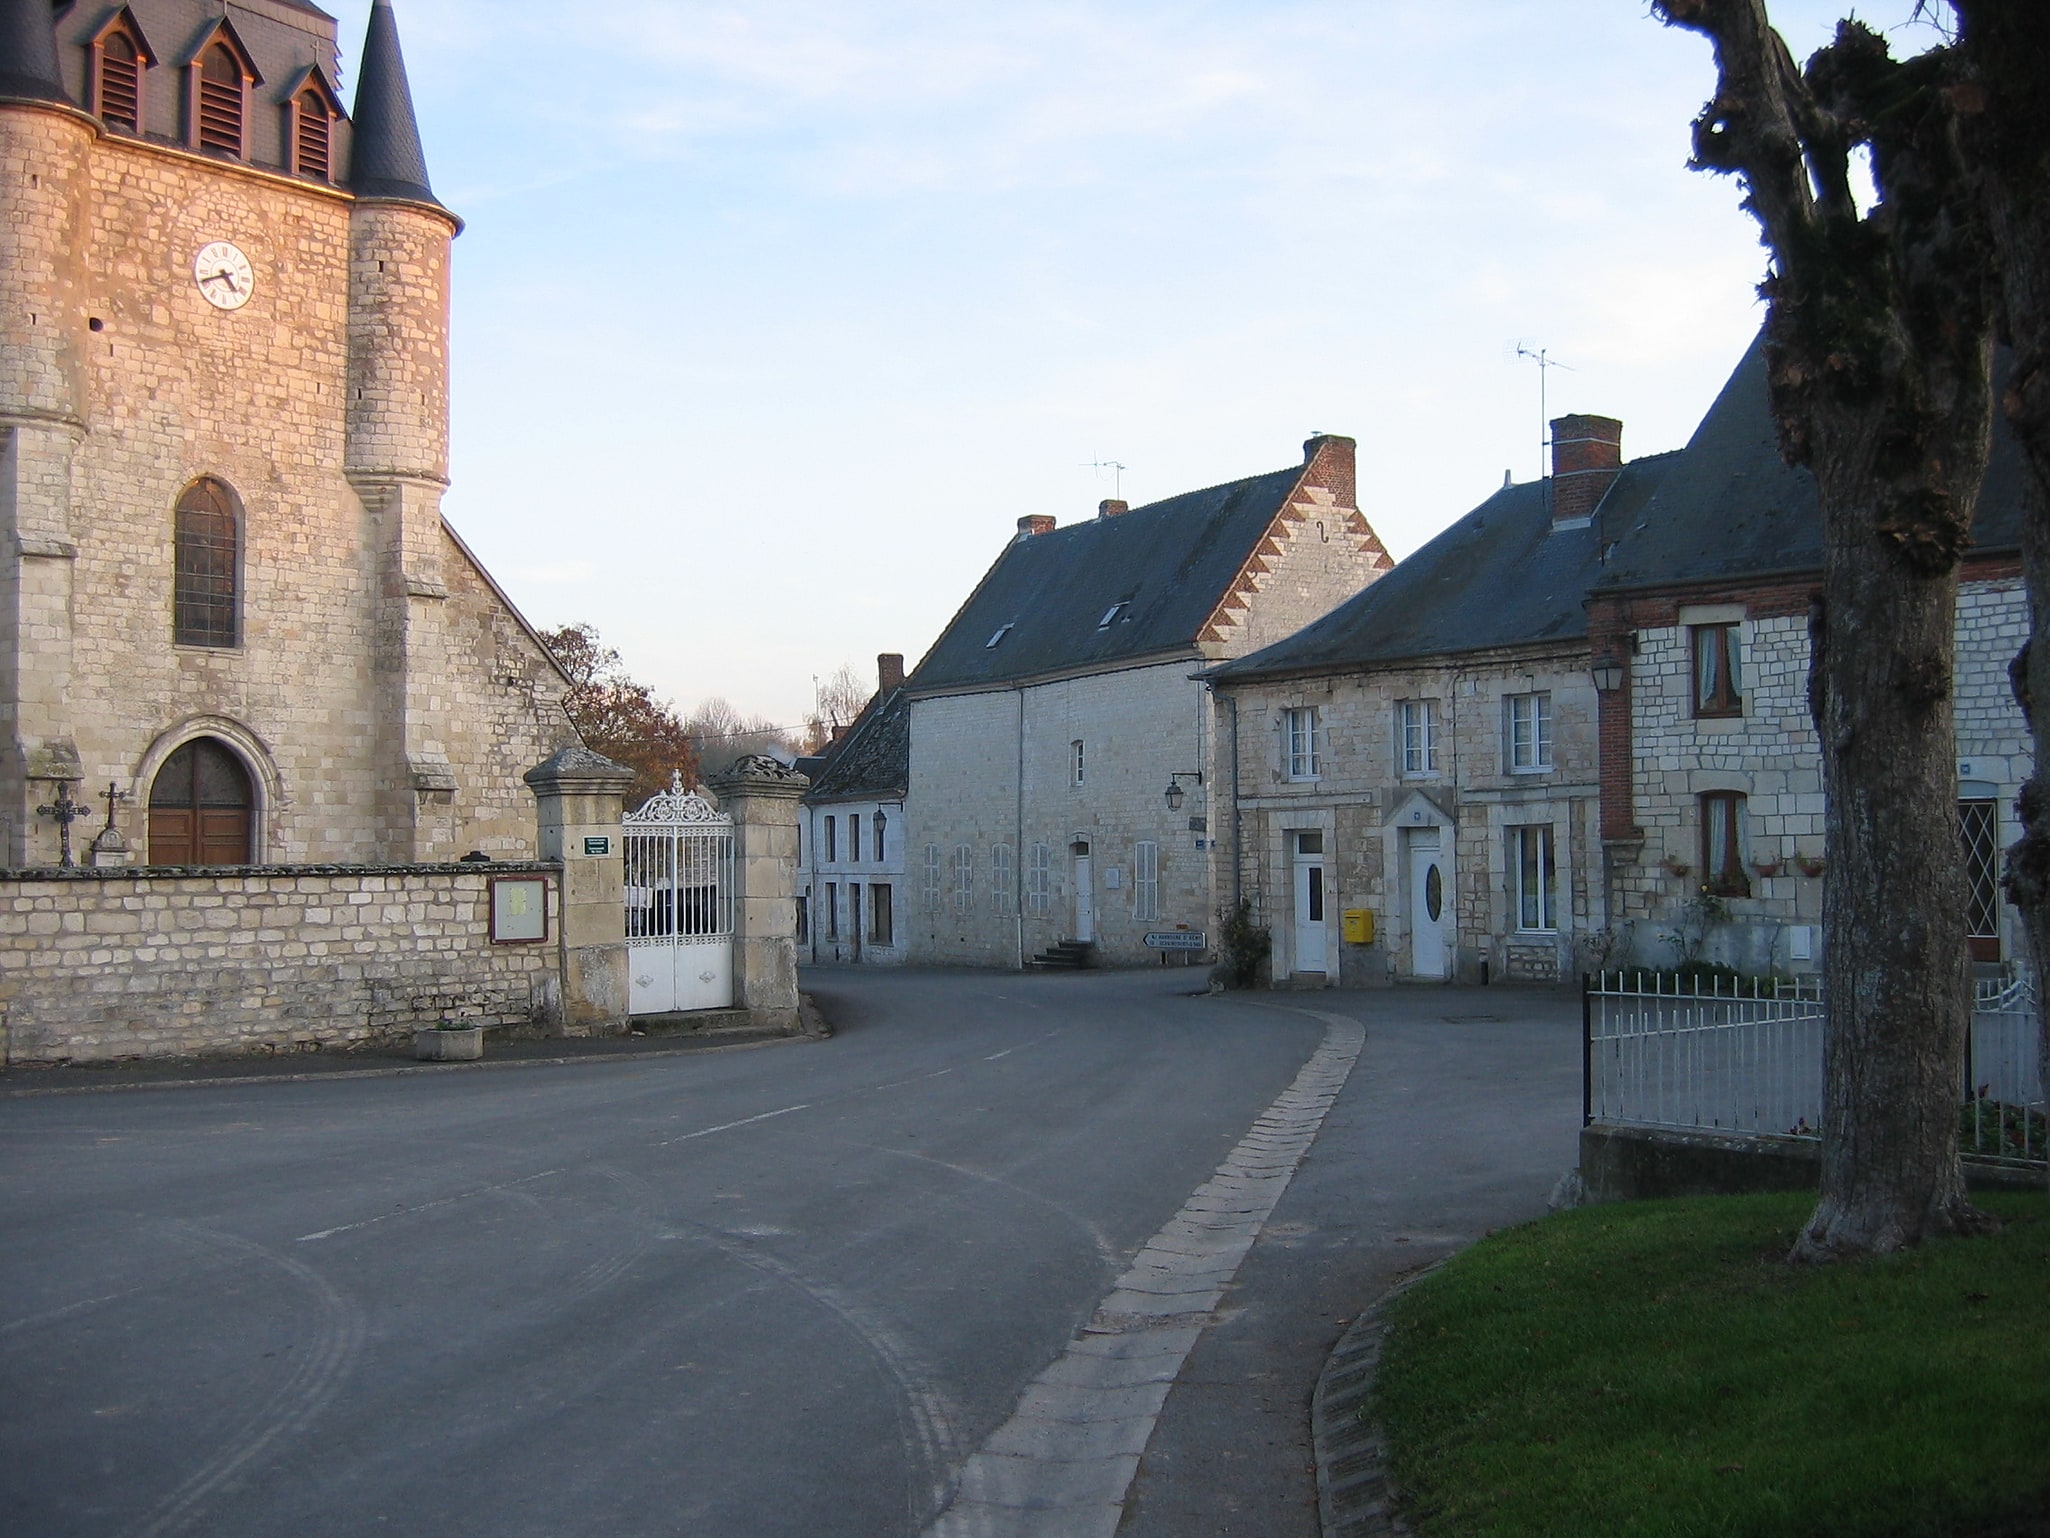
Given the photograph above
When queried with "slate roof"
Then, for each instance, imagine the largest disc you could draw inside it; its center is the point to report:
(29, 68)
(1169, 563)
(1500, 576)
(1734, 508)
(387, 161)
(874, 759)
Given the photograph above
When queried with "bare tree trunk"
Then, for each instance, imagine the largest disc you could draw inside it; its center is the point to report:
(2005, 104)
(1878, 344)
(1896, 977)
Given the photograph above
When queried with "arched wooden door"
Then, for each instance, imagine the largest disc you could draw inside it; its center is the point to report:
(202, 808)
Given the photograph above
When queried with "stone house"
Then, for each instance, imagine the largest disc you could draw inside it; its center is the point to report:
(1427, 752)
(851, 867)
(1711, 769)
(232, 610)
(1062, 763)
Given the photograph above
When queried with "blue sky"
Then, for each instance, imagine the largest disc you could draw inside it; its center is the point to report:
(773, 318)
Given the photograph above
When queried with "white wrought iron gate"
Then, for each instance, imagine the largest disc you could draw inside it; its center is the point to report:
(679, 904)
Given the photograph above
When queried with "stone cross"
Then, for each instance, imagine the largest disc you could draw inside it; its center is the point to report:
(66, 811)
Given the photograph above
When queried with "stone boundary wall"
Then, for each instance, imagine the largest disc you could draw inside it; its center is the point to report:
(98, 965)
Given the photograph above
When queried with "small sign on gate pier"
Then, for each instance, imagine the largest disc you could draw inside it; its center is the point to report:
(597, 848)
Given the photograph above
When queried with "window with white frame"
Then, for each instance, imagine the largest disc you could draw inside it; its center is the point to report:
(1039, 880)
(1535, 876)
(1299, 742)
(1530, 733)
(1003, 876)
(1416, 736)
(1077, 762)
(1146, 880)
(964, 877)
(932, 878)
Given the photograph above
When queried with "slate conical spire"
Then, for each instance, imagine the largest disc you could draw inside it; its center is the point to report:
(387, 161)
(28, 53)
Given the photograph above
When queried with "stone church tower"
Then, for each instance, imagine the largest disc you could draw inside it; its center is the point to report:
(226, 589)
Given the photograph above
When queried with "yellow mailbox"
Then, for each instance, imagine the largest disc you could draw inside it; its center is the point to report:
(1359, 926)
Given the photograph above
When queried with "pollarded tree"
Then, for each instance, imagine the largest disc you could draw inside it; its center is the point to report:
(1878, 343)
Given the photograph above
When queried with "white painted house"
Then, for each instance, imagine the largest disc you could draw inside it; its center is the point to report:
(851, 866)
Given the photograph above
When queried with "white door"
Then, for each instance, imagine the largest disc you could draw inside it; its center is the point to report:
(1311, 933)
(1085, 898)
(1430, 904)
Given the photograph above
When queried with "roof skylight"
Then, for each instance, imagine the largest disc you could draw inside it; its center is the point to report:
(1002, 631)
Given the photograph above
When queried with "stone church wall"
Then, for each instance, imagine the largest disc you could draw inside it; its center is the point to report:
(100, 965)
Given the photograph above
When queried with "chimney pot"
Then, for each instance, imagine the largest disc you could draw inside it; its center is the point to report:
(1111, 507)
(1034, 524)
(889, 671)
(1587, 456)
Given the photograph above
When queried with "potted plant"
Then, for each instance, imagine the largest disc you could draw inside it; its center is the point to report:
(1810, 864)
(452, 1041)
(1767, 867)
(1675, 866)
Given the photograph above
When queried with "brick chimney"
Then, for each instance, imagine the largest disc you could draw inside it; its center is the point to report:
(1587, 456)
(1328, 460)
(1111, 508)
(889, 672)
(1033, 525)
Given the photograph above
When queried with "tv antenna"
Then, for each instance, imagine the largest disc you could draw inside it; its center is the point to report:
(1117, 474)
(1545, 363)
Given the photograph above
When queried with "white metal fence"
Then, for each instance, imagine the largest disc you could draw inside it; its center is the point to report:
(1744, 1056)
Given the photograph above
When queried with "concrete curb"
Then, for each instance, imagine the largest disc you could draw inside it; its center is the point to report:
(1354, 1497)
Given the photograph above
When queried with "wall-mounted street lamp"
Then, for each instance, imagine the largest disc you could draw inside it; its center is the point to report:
(1608, 675)
(1175, 794)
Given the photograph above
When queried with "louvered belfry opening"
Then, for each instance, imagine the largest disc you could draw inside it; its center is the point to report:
(207, 568)
(220, 100)
(311, 136)
(120, 85)
(202, 808)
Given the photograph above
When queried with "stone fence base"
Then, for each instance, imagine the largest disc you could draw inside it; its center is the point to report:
(97, 965)
(1620, 1164)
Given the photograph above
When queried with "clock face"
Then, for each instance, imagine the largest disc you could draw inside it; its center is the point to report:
(224, 275)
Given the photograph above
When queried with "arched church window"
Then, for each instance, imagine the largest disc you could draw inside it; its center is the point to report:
(202, 808)
(207, 565)
(221, 100)
(119, 94)
(312, 133)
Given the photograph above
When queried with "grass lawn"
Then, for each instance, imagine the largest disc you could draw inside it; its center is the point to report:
(1658, 1368)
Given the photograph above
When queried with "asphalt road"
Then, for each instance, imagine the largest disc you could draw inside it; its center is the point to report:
(777, 1291)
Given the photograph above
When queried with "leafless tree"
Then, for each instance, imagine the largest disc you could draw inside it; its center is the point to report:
(1879, 333)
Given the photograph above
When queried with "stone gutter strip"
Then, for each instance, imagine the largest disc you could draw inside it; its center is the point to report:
(1354, 1496)
(1060, 1467)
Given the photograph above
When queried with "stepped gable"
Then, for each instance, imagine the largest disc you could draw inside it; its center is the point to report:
(1179, 574)
(1501, 576)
